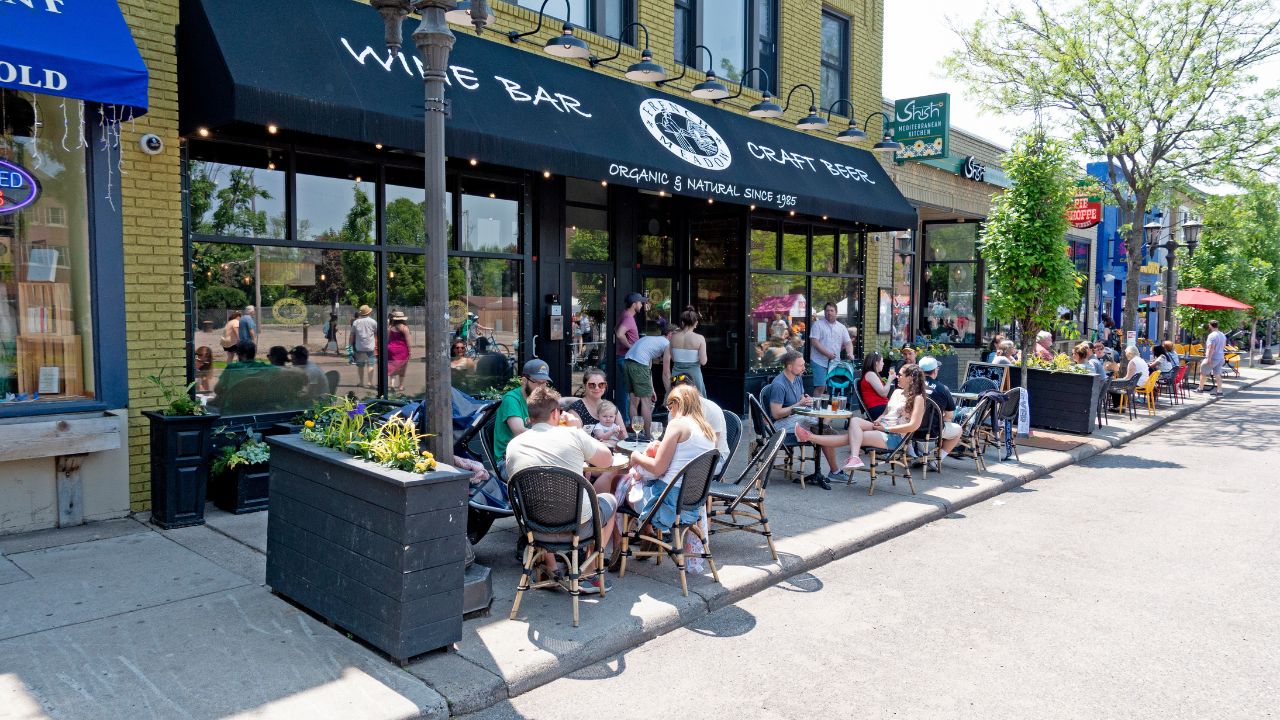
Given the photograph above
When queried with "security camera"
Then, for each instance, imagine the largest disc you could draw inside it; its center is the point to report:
(151, 144)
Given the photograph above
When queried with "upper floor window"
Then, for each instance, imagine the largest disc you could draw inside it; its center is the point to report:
(605, 17)
(835, 60)
(740, 34)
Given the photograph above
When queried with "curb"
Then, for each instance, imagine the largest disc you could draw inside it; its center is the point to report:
(622, 643)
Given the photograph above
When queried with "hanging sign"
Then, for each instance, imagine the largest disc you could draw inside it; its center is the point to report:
(18, 188)
(1086, 208)
(923, 126)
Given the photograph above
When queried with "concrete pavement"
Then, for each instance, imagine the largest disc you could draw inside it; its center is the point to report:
(168, 595)
(1140, 583)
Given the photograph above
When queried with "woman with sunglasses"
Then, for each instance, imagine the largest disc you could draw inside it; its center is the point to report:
(587, 407)
(901, 418)
(458, 360)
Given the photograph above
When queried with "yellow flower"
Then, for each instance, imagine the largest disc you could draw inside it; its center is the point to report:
(310, 423)
(426, 454)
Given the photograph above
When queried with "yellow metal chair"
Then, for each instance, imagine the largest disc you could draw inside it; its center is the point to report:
(1149, 392)
(1232, 358)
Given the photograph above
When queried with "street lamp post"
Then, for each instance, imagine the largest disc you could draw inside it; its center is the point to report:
(434, 41)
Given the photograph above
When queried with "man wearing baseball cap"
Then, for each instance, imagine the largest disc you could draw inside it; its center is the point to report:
(625, 335)
(513, 412)
(941, 394)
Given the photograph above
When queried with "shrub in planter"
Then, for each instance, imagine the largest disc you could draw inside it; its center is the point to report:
(181, 438)
(367, 530)
(240, 474)
(1062, 396)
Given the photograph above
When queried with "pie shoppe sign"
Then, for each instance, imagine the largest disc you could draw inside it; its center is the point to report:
(18, 188)
(1086, 208)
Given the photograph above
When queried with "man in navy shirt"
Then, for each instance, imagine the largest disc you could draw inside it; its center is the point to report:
(786, 393)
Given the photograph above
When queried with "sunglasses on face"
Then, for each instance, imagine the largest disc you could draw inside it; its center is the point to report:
(597, 385)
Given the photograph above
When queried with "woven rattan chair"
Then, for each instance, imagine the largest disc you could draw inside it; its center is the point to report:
(928, 437)
(733, 437)
(971, 439)
(1007, 419)
(692, 486)
(740, 505)
(548, 504)
(792, 449)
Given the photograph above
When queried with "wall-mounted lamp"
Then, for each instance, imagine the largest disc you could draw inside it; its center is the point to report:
(470, 13)
(709, 89)
(887, 143)
(812, 121)
(644, 71)
(567, 45)
(850, 134)
(766, 108)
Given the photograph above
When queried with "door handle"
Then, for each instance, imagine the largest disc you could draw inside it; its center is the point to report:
(534, 346)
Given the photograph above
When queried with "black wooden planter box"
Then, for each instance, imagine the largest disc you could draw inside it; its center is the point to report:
(949, 370)
(1061, 400)
(242, 490)
(379, 552)
(181, 446)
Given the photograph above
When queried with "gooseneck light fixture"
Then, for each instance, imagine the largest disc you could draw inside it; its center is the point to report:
(887, 144)
(644, 71)
(767, 107)
(709, 89)
(812, 121)
(567, 45)
(468, 11)
(850, 134)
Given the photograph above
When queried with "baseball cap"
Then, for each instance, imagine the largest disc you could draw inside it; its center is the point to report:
(635, 298)
(537, 370)
(928, 363)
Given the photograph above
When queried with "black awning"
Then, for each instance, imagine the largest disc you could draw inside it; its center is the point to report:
(320, 67)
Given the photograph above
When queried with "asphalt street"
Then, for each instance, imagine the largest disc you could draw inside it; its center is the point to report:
(1142, 583)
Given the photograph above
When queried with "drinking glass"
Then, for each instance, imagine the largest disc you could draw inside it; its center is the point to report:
(637, 424)
(655, 430)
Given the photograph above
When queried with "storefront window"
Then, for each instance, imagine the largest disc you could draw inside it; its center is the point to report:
(951, 242)
(950, 294)
(660, 312)
(764, 244)
(406, 344)
(655, 238)
(716, 242)
(335, 201)
(779, 317)
(586, 233)
(590, 325)
(795, 248)
(823, 256)
(490, 217)
(903, 269)
(240, 194)
(852, 259)
(46, 341)
(403, 211)
(487, 292)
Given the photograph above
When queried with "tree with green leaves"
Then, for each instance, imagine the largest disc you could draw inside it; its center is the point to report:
(1162, 89)
(1029, 270)
(358, 268)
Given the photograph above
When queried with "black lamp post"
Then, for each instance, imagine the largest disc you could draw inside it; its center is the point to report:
(434, 41)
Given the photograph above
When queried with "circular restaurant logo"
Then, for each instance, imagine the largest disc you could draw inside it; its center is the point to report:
(685, 135)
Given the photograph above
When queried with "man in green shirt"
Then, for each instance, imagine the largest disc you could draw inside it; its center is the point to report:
(513, 413)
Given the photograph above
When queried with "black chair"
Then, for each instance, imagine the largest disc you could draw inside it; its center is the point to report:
(928, 437)
(485, 437)
(978, 385)
(1007, 417)
(732, 438)
(740, 505)
(765, 429)
(1127, 390)
(971, 433)
(1104, 400)
(692, 485)
(548, 504)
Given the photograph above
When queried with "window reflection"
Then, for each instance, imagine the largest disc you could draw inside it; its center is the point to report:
(722, 25)
(240, 194)
(490, 217)
(590, 326)
(484, 308)
(334, 200)
(404, 219)
(779, 314)
(406, 344)
(586, 233)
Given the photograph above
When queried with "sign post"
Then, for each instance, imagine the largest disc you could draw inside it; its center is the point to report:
(923, 126)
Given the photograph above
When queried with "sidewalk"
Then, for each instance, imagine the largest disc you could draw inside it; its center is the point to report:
(120, 619)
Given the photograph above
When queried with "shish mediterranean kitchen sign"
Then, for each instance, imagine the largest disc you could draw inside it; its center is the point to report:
(923, 126)
(18, 188)
(1086, 208)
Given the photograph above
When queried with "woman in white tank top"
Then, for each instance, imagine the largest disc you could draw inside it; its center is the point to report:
(688, 350)
(688, 435)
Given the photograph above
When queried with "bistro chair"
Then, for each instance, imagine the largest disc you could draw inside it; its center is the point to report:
(740, 505)
(896, 463)
(548, 504)
(732, 437)
(971, 440)
(792, 449)
(928, 437)
(1104, 400)
(485, 438)
(1007, 418)
(1149, 391)
(692, 486)
(1170, 384)
(1125, 389)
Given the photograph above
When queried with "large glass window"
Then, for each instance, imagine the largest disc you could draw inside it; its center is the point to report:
(239, 194)
(952, 271)
(835, 61)
(335, 200)
(903, 279)
(46, 323)
(490, 217)
(739, 33)
(606, 17)
(485, 295)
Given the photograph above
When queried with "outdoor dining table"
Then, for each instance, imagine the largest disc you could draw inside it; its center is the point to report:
(963, 397)
(632, 446)
(1193, 369)
(823, 414)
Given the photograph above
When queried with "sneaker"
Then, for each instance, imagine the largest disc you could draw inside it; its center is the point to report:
(837, 476)
(854, 463)
(592, 586)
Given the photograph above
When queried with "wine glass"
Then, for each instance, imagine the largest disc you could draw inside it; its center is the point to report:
(637, 424)
(655, 430)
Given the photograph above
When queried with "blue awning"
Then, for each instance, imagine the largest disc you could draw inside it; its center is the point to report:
(80, 50)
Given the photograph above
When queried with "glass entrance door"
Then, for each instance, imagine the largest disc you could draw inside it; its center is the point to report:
(588, 331)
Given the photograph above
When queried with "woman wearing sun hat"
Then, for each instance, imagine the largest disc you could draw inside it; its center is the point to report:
(398, 341)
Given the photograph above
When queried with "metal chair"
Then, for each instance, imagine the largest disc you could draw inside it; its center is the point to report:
(692, 486)
(928, 437)
(548, 504)
(897, 461)
(732, 438)
(971, 439)
(1125, 390)
(1104, 396)
(1007, 417)
(764, 428)
(740, 505)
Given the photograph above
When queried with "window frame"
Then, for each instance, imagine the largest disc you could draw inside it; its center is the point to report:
(844, 68)
(596, 17)
(752, 34)
(978, 266)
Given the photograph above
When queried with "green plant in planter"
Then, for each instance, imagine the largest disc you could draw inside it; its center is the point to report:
(253, 451)
(937, 350)
(345, 425)
(178, 399)
(1060, 363)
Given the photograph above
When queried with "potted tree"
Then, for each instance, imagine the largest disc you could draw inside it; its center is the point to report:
(367, 530)
(181, 437)
(240, 474)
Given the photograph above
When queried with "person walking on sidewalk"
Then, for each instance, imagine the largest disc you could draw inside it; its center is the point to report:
(248, 326)
(1215, 358)
(827, 338)
(625, 335)
(364, 344)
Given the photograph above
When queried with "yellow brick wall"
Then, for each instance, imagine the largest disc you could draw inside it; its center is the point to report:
(151, 194)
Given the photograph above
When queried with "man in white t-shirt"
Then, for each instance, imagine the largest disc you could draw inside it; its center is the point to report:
(364, 342)
(638, 373)
(826, 339)
(1215, 357)
(547, 442)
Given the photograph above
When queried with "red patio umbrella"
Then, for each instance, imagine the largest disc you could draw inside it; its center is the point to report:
(1202, 299)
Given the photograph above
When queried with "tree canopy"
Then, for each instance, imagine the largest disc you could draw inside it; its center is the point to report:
(1162, 89)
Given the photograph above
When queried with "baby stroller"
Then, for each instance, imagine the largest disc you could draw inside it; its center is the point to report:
(840, 380)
